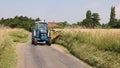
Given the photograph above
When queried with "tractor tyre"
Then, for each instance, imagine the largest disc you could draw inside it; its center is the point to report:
(49, 42)
(32, 42)
(32, 38)
(35, 41)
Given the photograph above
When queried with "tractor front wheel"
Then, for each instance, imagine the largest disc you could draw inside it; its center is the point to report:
(35, 41)
(32, 42)
(49, 42)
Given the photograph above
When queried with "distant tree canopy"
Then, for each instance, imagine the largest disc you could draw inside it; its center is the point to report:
(91, 21)
(37, 19)
(63, 24)
(19, 22)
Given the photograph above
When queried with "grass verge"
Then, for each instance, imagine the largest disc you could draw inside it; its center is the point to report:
(8, 39)
(98, 48)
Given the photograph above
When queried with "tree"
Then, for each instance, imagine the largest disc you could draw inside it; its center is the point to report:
(88, 14)
(78, 23)
(88, 21)
(63, 24)
(96, 18)
(113, 23)
(117, 24)
(2, 18)
(112, 17)
(37, 19)
(91, 21)
(16, 17)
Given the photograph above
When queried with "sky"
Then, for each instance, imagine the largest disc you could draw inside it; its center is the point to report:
(71, 11)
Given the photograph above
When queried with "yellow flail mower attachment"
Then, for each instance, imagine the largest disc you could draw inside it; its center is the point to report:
(55, 34)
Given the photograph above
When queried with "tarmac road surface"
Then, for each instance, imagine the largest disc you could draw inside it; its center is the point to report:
(43, 56)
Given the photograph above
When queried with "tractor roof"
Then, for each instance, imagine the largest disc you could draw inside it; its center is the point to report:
(41, 22)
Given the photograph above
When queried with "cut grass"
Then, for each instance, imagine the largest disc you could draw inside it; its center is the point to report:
(99, 48)
(8, 38)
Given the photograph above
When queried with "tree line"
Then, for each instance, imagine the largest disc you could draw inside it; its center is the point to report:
(19, 22)
(92, 20)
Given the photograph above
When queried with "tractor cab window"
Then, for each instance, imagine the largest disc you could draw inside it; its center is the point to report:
(36, 26)
(42, 26)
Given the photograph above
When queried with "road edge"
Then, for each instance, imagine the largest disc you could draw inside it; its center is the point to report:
(64, 50)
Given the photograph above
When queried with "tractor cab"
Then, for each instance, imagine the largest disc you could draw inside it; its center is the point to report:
(42, 26)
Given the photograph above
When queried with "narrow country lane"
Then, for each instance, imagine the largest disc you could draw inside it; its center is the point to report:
(40, 56)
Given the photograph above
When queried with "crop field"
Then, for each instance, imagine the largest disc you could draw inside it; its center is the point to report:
(98, 47)
(8, 39)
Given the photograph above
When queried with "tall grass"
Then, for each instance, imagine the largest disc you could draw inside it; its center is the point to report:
(8, 38)
(98, 47)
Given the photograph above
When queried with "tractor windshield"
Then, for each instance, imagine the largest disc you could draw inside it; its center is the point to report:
(42, 26)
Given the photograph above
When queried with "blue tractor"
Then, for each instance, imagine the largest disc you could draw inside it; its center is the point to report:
(41, 33)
